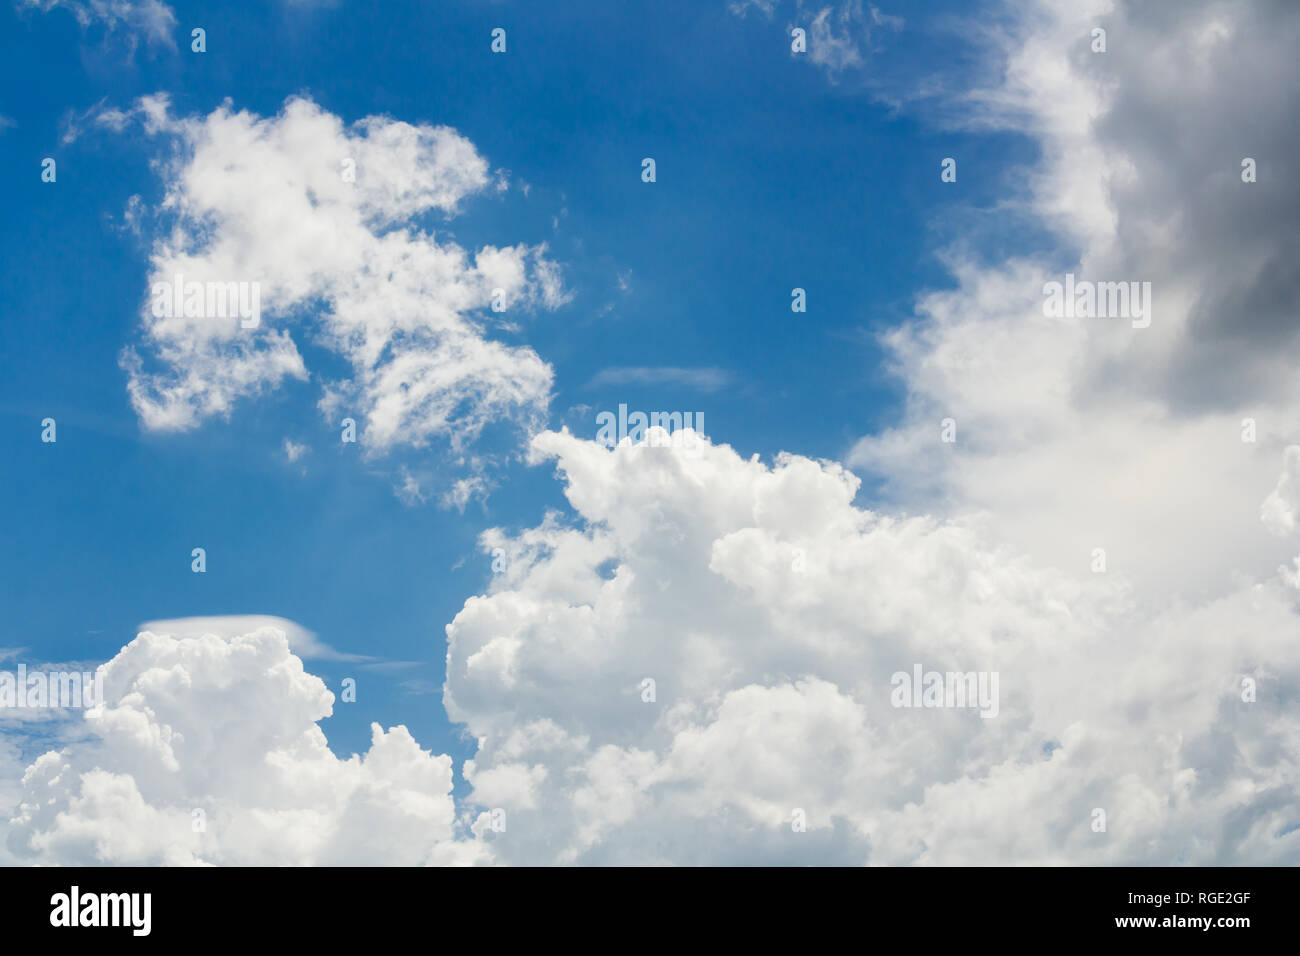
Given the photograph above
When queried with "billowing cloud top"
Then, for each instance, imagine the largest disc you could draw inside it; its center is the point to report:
(208, 751)
(707, 653)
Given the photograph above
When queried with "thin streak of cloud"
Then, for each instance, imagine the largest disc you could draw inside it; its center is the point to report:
(707, 379)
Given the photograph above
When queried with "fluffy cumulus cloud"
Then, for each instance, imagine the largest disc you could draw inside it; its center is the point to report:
(701, 651)
(208, 752)
(322, 233)
(771, 614)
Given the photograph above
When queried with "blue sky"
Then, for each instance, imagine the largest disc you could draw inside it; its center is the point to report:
(770, 175)
(1106, 536)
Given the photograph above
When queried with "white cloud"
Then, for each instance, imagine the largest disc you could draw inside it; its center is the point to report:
(1279, 510)
(151, 19)
(742, 7)
(771, 614)
(293, 451)
(838, 34)
(302, 641)
(703, 379)
(350, 264)
(1082, 433)
(228, 726)
(465, 490)
(1121, 691)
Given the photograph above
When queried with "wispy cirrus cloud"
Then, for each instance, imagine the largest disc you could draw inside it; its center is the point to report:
(705, 379)
(150, 19)
(839, 35)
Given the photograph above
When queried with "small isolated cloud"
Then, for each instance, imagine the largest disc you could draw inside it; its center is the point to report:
(325, 222)
(706, 379)
(409, 489)
(100, 116)
(742, 7)
(464, 491)
(838, 35)
(421, 687)
(293, 451)
(390, 667)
